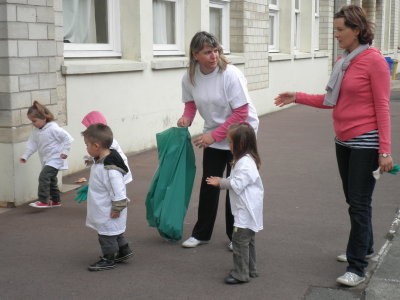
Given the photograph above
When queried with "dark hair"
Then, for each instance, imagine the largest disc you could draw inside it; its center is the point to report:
(39, 111)
(199, 40)
(99, 133)
(356, 18)
(244, 141)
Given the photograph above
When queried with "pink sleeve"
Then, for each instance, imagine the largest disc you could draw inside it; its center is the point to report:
(190, 110)
(380, 87)
(311, 100)
(238, 114)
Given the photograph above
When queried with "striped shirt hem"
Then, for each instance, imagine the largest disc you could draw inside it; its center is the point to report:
(369, 140)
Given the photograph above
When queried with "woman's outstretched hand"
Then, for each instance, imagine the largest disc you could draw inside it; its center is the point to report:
(285, 98)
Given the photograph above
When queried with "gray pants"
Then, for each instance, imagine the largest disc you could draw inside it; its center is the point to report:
(244, 254)
(110, 244)
(48, 185)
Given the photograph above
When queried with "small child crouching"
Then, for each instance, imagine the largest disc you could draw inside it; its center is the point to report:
(106, 199)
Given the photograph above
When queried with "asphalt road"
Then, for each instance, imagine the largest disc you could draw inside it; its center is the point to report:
(44, 254)
(395, 95)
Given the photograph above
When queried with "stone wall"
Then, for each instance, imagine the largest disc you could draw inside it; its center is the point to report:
(249, 35)
(30, 60)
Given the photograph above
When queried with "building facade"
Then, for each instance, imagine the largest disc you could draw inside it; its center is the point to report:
(126, 59)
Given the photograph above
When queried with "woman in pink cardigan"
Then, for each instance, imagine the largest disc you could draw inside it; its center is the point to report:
(358, 92)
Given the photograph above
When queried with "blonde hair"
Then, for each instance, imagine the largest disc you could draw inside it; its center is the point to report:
(199, 41)
(40, 111)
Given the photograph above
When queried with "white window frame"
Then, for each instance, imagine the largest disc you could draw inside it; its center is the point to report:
(225, 22)
(274, 11)
(111, 49)
(297, 29)
(316, 25)
(178, 47)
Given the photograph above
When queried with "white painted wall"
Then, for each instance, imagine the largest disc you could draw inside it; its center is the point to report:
(137, 105)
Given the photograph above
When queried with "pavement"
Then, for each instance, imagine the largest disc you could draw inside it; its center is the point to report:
(44, 254)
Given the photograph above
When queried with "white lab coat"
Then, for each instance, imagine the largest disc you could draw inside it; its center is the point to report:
(50, 142)
(246, 194)
(105, 186)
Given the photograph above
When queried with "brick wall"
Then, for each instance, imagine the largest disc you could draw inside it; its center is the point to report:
(395, 23)
(326, 28)
(30, 59)
(379, 25)
(249, 35)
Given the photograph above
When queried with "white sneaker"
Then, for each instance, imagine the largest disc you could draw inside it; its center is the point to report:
(350, 279)
(230, 246)
(343, 257)
(192, 242)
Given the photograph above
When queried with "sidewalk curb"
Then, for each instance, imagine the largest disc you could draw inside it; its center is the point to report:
(384, 282)
(383, 276)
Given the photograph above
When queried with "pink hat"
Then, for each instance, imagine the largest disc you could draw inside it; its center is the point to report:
(94, 117)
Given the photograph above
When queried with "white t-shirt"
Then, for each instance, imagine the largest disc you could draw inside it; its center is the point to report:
(216, 95)
(247, 194)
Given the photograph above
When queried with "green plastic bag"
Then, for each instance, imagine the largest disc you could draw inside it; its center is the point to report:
(81, 194)
(171, 187)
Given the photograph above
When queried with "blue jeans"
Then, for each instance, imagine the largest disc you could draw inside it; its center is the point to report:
(355, 168)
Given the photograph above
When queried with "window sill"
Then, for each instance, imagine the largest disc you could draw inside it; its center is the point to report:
(169, 63)
(74, 67)
(302, 55)
(163, 63)
(387, 52)
(236, 58)
(318, 54)
(279, 56)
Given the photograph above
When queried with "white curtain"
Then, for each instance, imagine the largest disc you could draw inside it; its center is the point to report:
(216, 22)
(163, 22)
(79, 21)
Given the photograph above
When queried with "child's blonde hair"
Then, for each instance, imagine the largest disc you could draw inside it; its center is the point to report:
(39, 111)
(244, 141)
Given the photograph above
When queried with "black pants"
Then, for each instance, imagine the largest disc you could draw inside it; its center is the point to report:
(48, 185)
(355, 167)
(214, 163)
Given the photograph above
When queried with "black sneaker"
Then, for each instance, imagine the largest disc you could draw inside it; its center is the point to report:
(123, 254)
(105, 263)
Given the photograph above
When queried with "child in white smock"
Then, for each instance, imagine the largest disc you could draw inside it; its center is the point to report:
(52, 144)
(106, 200)
(246, 198)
